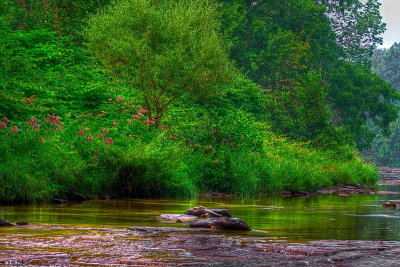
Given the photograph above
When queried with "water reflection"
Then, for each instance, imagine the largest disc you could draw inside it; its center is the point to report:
(359, 217)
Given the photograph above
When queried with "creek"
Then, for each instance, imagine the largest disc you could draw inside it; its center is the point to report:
(319, 230)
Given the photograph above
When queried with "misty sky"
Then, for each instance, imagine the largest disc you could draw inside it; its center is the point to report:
(390, 11)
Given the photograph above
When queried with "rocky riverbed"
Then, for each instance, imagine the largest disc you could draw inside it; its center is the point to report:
(51, 245)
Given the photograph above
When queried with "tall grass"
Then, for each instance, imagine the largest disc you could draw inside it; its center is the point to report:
(118, 150)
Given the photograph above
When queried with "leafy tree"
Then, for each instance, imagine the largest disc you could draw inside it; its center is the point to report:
(358, 96)
(385, 149)
(273, 41)
(389, 65)
(358, 27)
(167, 49)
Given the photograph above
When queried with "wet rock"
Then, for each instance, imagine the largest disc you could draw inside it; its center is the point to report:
(176, 218)
(151, 230)
(224, 223)
(214, 195)
(22, 223)
(206, 216)
(198, 211)
(59, 201)
(105, 197)
(4, 223)
(78, 197)
(301, 193)
(359, 186)
(286, 193)
(390, 205)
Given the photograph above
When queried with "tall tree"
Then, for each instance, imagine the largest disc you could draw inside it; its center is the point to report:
(167, 49)
(358, 27)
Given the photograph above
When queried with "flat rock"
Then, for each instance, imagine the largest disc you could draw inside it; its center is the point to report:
(176, 218)
(198, 211)
(150, 229)
(223, 223)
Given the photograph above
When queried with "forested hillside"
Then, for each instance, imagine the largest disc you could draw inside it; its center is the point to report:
(150, 98)
(385, 148)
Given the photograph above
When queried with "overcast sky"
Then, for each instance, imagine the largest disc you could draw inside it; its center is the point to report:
(390, 11)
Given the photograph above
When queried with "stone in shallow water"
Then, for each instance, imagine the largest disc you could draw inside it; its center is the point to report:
(198, 211)
(5, 223)
(176, 218)
(223, 223)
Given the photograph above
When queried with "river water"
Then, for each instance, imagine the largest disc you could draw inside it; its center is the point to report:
(357, 217)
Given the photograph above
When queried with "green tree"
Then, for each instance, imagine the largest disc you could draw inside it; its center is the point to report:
(358, 27)
(358, 96)
(385, 149)
(167, 49)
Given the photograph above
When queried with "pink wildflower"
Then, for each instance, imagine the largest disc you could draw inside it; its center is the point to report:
(132, 106)
(53, 119)
(128, 121)
(37, 127)
(149, 122)
(119, 99)
(6, 120)
(115, 123)
(105, 130)
(162, 127)
(59, 128)
(90, 137)
(110, 99)
(33, 121)
(81, 132)
(3, 125)
(103, 112)
(95, 156)
(15, 129)
(142, 110)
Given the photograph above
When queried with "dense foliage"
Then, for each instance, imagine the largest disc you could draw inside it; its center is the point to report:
(149, 98)
(385, 149)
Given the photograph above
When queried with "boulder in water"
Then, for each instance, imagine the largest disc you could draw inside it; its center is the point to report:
(5, 223)
(198, 211)
(176, 218)
(223, 223)
(390, 205)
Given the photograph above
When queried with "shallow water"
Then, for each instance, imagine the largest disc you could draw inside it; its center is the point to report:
(357, 217)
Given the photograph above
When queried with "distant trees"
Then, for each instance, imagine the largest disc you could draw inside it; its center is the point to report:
(312, 58)
(167, 49)
(385, 149)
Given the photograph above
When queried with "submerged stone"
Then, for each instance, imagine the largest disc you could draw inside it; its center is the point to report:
(4, 223)
(22, 223)
(390, 205)
(224, 223)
